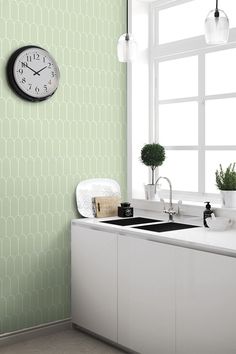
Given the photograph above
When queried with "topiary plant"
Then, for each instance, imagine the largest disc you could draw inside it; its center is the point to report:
(153, 155)
(226, 180)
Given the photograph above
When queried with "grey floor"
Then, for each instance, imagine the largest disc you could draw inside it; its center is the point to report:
(69, 341)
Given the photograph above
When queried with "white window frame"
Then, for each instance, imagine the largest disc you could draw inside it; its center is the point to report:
(174, 50)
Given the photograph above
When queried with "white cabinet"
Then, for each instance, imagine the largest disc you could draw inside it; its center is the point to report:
(205, 303)
(94, 281)
(151, 297)
(146, 296)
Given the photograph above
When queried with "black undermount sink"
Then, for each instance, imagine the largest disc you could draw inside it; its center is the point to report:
(167, 226)
(130, 221)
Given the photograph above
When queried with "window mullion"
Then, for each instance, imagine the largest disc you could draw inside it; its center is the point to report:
(201, 123)
(152, 79)
(156, 103)
(156, 108)
(179, 100)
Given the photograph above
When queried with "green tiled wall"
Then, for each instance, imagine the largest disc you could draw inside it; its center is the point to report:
(47, 148)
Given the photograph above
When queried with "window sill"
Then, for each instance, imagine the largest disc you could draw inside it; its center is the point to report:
(188, 208)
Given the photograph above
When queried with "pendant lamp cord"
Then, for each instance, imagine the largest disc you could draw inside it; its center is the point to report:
(217, 14)
(127, 20)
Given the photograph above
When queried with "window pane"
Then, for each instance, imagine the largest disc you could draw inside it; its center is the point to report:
(213, 159)
(221, 72)
(178, 124)
(178, 78)
(181, 168)
(221, 122)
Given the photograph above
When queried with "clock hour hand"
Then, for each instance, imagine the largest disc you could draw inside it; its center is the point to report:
(27, 66)
(37, 72)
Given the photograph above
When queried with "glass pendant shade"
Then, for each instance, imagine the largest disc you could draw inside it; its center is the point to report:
(216, 27)
(126, 48)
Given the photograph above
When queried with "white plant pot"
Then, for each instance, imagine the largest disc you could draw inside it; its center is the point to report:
(150, 191)
(228, 199)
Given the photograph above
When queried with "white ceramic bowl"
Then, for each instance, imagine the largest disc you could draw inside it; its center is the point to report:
(218, 223)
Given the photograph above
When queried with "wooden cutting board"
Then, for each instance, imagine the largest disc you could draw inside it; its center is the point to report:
(105, 206)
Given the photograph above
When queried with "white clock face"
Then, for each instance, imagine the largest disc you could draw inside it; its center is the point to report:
(36, 73)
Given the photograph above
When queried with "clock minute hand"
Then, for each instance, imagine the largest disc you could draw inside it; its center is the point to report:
(37, 72)
(27, 66)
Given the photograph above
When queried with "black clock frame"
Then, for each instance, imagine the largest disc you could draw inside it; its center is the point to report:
(11, 79)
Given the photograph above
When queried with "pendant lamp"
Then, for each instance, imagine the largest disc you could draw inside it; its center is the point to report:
(126, 47)
(216, 27)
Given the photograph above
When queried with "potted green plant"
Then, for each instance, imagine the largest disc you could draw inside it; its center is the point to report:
(226, 183)
(152, 155)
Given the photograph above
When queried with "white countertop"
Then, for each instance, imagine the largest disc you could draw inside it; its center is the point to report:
(204, 239)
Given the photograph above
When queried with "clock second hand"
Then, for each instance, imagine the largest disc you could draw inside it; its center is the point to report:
(37, 72)
(27, 66)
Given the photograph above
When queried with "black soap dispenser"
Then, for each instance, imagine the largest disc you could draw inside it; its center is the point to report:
(207, 213)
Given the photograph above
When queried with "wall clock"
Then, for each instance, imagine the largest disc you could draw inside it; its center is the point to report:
(32, 73)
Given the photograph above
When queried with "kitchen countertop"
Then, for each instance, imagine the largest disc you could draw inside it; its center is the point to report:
(204, 239)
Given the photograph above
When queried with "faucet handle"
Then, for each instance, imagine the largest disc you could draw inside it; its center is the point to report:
(170, 212)
(163, 202)
(179, 207)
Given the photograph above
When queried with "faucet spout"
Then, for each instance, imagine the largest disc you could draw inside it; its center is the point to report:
(170, 211)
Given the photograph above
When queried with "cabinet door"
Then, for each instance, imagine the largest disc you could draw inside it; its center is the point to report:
(146, 300)
(94, 281)
(205, 303)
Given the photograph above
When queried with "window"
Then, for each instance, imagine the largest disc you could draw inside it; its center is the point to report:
(194, 96)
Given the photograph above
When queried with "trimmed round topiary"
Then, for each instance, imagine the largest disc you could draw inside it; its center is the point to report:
(153, 155)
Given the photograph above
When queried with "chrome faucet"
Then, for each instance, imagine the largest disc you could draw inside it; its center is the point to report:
(170, 210)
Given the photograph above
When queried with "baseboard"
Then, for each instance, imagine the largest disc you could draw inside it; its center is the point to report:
(32, 332)
(103, 339)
